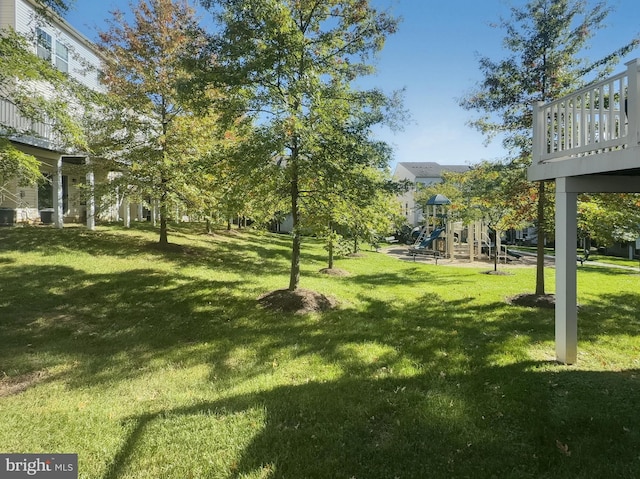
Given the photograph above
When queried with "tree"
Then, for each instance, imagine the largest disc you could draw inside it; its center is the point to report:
(546, 39)
(298, 60)
(609, 218)
(158, 136)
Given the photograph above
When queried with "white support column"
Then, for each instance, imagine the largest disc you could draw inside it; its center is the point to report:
(140, 212)
(91, 200)
(154, 212)
(58, 196)
(566, 274)
(126, 212)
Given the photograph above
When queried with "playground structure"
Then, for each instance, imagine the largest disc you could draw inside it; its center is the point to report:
(442, 238)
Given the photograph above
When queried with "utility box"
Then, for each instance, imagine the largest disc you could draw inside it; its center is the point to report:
(7, 217)
(46, 216)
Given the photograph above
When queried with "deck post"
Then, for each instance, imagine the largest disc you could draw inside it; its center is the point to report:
(58, 195)
(566, 273)
(539, 134)
(633, 102)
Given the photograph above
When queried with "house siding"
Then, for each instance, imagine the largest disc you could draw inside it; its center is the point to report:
(24, 18)
(84, 63)
(7, 14)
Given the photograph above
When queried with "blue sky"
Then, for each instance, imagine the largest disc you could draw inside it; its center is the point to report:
(434, 56)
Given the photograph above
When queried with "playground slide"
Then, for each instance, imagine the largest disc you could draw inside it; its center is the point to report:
(425, 243)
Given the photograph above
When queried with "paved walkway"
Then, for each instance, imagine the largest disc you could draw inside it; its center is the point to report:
(527, 259)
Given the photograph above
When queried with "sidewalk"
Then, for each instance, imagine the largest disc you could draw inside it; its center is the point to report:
(586, 262)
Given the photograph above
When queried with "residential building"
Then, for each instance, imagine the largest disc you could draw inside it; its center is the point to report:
(59, 199)
(420, 173)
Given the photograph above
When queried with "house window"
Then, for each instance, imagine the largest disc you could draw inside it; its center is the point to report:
(44, 44)
(59, 56)
(62, 57)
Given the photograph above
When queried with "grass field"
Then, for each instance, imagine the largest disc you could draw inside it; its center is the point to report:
(162, 364)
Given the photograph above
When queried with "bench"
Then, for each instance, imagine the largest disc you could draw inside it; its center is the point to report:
(391, 239)
(424, 252)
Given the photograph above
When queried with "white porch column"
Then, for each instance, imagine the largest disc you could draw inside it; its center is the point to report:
(126, 212)
(140, 212)
(58, 201)
(566, 274)
(154, 212)
(91, 200)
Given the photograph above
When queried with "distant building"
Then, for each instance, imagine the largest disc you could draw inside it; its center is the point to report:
(420, 173)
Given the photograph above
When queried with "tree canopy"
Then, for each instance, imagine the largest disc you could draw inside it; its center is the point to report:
(297, 62)
(153, 129)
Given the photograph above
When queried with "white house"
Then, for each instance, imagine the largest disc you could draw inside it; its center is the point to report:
(587, 142)
(66, 169)
(420, 173)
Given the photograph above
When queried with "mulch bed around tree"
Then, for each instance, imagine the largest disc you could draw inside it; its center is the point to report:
(334, 272)
(534, 300)
(497, 272)
(300, 301)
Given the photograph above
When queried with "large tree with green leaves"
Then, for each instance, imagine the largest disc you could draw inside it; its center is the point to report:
(159, 138)
(297, 61)
(607, 218)
(546, 41)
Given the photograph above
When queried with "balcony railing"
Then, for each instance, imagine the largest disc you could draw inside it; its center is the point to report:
(599, 118)
(25, 130)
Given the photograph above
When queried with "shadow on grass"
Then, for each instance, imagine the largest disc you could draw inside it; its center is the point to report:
(612, 314)
(523, 420)
(423, 391)
(58, 314)
(244, 251)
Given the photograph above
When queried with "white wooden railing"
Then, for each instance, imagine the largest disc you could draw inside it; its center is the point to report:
(599, 118)
(26, 130)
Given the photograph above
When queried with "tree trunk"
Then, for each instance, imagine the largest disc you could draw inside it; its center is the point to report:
(330, 246)
(540, 241)
(294, 278)
(164, 240)
(330, 265)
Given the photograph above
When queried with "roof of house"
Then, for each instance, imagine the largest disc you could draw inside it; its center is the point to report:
(431, 169)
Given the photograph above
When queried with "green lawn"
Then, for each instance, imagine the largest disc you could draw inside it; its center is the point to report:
(161, 364)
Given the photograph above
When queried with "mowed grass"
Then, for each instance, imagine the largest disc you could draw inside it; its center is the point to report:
(162, 364)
